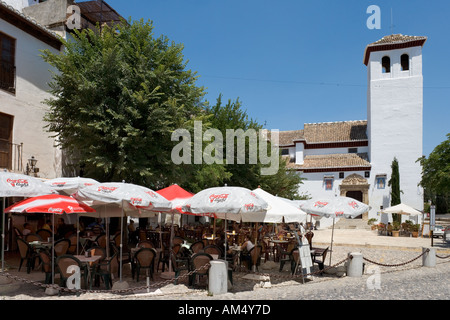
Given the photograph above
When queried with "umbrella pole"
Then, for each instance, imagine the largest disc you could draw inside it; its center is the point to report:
(226, 239)
(53, 249)
(3, 234)
(332, 235)
(78, 231)
(121, 242)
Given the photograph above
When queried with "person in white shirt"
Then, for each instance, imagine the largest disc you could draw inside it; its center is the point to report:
(26, 229)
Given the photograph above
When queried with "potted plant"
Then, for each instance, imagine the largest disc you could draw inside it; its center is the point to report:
(415, 230)
(395, 229)
(372, 224)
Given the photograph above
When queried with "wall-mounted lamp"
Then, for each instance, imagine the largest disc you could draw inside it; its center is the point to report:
(31, 166)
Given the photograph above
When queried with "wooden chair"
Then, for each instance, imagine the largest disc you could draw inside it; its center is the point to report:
(319, 256)
(144, 259)
(46, 262)
(34, 237)
(61, 247)
(44, 234)
(73, 244)
(213, 249)
(105, 270)
(145, 244)
(197, 246)
(27, 254)
(199, 266)
(64, 262)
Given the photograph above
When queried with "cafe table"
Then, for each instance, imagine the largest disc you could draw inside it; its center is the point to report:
(89, 261)
(40, 245)
(281, 243)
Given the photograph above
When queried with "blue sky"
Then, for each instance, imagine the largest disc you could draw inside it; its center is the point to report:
(292, 62)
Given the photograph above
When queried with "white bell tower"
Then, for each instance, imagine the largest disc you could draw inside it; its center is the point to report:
(395, 115)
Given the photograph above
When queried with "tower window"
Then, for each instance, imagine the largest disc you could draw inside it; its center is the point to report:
(404, 60)
(386, 64)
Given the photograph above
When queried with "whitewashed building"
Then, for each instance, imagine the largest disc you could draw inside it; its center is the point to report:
(354, 158)
(26, 28)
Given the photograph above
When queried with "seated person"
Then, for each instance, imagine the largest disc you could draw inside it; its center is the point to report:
(47, 226)
(246, 247)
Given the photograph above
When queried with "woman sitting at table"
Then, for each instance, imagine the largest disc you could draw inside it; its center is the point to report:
(245, 249)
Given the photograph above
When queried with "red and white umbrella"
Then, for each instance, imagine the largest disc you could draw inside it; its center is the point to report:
(19, 185)
(52, 203)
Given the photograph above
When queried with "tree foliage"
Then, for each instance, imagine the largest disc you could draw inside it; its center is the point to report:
(436, 176)
(118, 94)
(394, 183)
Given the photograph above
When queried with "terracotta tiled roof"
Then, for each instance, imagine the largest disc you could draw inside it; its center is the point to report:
(335, 131)
(341, 160)
(393, 41)
(287, 137)
(327, 132)
(397, 38)
(328, 161)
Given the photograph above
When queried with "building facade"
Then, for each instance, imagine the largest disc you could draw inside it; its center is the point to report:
(26, 28)
(354, 158)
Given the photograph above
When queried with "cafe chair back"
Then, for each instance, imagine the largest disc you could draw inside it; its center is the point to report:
(105, 270)
(33, 237)
(44, 234)
(101, 240)
(64, 262)
(27, 254)
(46, 262)
(61, 247)
(213, 249)
(145, 244)
(199, 266)
(73, 244)
(97, 251)
(144, 259)
(197, 246)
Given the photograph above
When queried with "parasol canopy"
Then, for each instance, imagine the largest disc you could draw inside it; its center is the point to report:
(70, 185)
(280, 210)
(20, 185)
(402, 209)
(232, 203)
(335, 207)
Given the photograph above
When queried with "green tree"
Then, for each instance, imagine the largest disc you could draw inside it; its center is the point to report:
(394, 183)
(231, 116)
(436, 176)
(118, 94)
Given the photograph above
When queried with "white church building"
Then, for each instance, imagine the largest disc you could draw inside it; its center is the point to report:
(354, 158)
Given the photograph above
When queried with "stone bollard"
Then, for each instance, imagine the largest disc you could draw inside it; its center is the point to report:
(429, 258)
(355, 265)
(218, 277)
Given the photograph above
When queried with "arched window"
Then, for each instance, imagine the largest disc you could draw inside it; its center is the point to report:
(386, 64)
(404, 60)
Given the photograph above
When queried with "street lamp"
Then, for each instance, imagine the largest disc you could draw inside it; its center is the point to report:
(31, 166)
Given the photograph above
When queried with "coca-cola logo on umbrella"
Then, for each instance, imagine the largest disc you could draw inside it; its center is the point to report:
(58, 184)
(106, 189)
(218, 197)
(320, 204)
(353, 204)
(18, 182)
(152, 194)
(136, 201)
(249, 206)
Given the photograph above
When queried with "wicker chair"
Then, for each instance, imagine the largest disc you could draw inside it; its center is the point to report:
(144, 258)
(199, 266)
(177, 240)
(178, 265)
(61, 247)
(73, 244)
(101, 240)
(213, 249)
(33, 237)
(145, 244)
(97, 251)
(27, 254)
(44, 234)
(64, 262)
(197, 246)
(46, 262)
(105, 270)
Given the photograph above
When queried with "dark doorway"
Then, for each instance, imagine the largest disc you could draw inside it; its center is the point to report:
(357, 195)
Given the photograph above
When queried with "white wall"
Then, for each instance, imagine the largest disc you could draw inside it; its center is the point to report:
(395, 113)
(32, 76)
